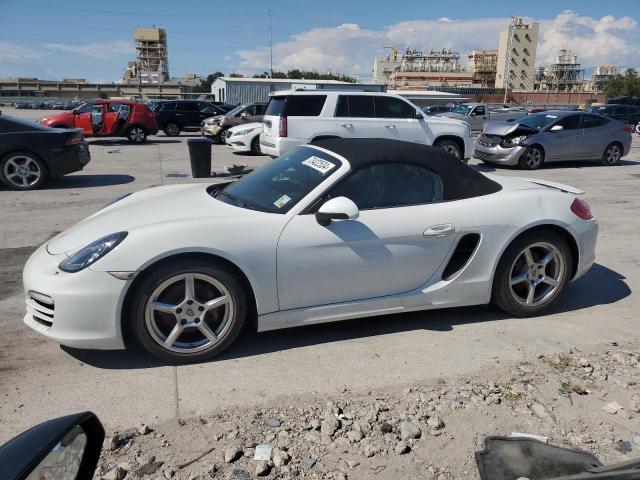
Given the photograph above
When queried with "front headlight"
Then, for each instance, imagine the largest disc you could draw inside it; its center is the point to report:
(92, 253)
(513, 141)
(244, 132)
(212, 121)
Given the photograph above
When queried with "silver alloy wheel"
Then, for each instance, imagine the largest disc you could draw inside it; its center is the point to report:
(638, 128)
(451, 150)
(533, 158)
(137, 134)
(536, 274)
(172, 130)
(189, 313)
(22, 171)
(612, 154)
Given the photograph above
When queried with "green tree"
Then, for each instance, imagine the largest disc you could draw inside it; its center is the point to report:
(205, 85)
(623, 85)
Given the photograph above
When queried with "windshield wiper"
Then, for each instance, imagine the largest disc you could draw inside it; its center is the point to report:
(235, 199)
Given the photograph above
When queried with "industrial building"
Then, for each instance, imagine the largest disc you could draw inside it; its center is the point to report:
(237, 90)
(565, 75)
(516, 67)
(384, 67)
(602, 73)
(483, 65)
(151, 65)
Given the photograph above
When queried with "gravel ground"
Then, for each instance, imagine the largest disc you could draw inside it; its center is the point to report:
(588, 400)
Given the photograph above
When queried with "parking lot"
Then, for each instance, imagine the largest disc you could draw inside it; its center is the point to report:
(39, 379)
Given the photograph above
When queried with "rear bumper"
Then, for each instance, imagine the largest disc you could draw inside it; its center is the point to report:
(69, 160)
(279, 145)
(585, 233)
(498, 154)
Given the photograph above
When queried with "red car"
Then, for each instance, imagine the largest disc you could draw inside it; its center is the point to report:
(107, 118)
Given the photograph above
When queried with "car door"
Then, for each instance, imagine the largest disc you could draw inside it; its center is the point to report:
(402, 236)
(399, 119)
(356, 118)
(190, 114)
(206, 110)
(562, 144)
(595, 136)
(477, 117)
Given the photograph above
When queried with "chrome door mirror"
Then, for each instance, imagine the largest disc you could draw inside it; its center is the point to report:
(339, 208)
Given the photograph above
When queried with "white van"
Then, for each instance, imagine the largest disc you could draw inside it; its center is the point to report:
(294, 118)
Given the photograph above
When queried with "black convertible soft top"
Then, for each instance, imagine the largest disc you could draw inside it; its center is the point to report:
(459, 179)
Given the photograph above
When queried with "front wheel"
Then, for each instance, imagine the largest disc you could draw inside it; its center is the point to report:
(137, 135)
(532, 273)
(188, 311)
(532, 158)
(451, 147)
(22, 171)
(172, 129)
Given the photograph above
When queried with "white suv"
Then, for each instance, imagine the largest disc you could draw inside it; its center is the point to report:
(294, 118)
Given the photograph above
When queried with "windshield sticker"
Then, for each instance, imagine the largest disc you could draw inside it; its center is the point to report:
(319, 164)
(282, 201)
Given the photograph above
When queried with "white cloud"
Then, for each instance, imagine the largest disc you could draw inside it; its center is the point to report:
(98, 50)
(12, 52)
(604, 40)
(350, 49)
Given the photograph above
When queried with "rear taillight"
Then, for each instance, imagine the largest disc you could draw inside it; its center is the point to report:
(629, 129)
(283, 127)
(74, 139)
(581, 209)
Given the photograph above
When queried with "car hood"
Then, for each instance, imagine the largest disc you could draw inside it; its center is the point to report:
(511, 129)
(151, 206)
(451, 115)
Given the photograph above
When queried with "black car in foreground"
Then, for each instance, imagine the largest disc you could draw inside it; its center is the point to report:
(31, 153)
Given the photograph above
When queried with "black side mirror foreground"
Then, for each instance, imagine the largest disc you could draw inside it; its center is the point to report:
(65, 447)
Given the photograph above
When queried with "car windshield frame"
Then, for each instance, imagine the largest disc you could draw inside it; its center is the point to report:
(233, 112)
(531, 120)
(283, 183)
(462, 109)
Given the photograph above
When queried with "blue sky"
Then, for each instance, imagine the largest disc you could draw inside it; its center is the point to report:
(64, 38)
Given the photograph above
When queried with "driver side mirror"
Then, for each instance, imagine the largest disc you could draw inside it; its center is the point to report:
(339, 208)
(65, 447)
(557, 128)
(419, 115)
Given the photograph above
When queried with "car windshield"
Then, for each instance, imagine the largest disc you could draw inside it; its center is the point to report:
(538, 120)
(462, 109)
(280, 185)
(236, 110)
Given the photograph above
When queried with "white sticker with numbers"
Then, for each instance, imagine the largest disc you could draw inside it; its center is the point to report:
(319, 164)
(282, 201)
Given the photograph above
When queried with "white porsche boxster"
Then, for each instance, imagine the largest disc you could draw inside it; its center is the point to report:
(339, 229)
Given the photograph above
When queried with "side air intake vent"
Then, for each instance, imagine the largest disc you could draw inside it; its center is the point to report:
(461, 255)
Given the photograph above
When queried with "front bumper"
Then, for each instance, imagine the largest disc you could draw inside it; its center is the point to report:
(498, 154)
(80, 310)
(210, 130)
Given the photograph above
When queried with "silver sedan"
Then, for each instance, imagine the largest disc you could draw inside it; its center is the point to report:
(554, 136)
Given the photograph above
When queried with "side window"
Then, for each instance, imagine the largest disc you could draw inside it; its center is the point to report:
(572, 122)
(97, 108)
(113, 107)
(479, 110)
(389, 107)
(250, 110)
(388, 185)
(361, 106)
(188, 106)
(262, 109)
(207, 108)
(591, 121)
(168, 106)
(304, 105)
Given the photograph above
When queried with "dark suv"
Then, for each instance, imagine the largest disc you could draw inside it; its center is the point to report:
(174, 116)
(623, 113)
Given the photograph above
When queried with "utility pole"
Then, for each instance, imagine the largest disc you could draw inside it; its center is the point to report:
(270, 29)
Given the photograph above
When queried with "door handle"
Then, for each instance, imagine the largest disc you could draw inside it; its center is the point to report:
(442, 230)
(346, 125)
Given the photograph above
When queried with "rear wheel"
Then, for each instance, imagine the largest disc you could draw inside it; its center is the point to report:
(532, 273)
(532, 158)
(611, 155)
(449, 146)
(188, 311)
(638, 128)
(172, 129)
(136, 134)
(223, 136)
(22, 171)
(255, 146)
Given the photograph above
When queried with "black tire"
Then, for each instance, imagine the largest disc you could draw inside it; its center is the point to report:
(532, 158)
(222, 136)
(136, 134)
(509, 268)
(171, 129)
(23, 171)
(612, 154)
(638, 128)
(255, 146)
(141, 326)
(451, 147)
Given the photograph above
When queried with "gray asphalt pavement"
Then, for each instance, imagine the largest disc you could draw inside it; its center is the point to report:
(39, 379)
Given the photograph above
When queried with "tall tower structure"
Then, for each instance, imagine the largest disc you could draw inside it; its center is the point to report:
(152, 60)
(517, 55)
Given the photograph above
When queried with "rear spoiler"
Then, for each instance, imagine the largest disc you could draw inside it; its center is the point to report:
(556, 185)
